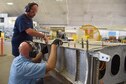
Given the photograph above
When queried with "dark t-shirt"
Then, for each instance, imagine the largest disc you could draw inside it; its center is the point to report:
(21, 24)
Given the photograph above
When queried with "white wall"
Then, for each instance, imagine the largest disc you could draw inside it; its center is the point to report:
(71, 29)
(10, 22)
(122, 33)
(3, 25)
(105, 33)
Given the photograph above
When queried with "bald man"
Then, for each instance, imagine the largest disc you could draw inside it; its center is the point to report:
(25, 71)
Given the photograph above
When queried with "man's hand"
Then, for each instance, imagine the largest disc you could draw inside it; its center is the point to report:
(46, 39)
(44, 49)
(57, 42)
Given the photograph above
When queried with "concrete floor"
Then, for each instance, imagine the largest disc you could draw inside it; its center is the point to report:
(5, 62)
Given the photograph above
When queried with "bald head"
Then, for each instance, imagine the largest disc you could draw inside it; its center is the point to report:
(24, 49)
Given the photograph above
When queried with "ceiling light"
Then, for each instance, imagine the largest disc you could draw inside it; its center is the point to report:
(59, 0)
(10, 3)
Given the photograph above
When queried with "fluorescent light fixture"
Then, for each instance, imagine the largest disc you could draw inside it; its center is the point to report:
(10, 3)
(59, 0)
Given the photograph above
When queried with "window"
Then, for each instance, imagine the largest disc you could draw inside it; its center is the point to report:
(1, 20)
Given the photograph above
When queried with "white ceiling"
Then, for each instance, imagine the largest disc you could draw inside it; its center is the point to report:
(103, 13)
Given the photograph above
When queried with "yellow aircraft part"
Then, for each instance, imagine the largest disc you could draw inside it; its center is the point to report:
(91, 32)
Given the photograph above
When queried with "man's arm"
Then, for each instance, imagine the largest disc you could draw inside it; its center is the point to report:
(32, 32)
(38, 58)
(51, 63)
(52, 58)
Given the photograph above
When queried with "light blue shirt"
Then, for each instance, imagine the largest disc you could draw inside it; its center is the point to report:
(24, 71)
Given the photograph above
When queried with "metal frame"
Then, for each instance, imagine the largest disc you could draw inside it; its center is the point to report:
(75, 66)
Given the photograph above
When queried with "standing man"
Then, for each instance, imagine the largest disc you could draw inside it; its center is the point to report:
(23, 28)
